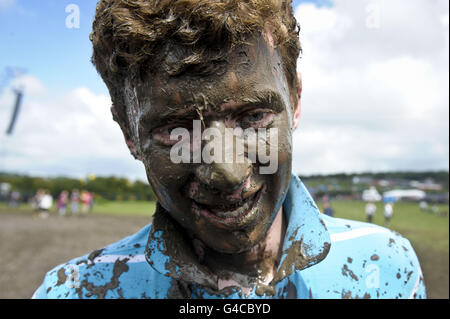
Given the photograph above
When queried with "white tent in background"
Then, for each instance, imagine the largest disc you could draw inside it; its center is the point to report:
(371, 195)
(409, 194)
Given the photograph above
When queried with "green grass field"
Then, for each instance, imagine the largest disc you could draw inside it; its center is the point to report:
(118, 208)
(138, 208)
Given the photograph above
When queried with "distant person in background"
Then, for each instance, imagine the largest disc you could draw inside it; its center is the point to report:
(371, 208)
(4, 191)
(36, 202)
(63, 199)
(388, 212)
(434, 209)
(37, 199)
(14, 199)
(423, 206)
(85, 201)
(327, 209)
(74, 201)
(45, 204)
(91, 203)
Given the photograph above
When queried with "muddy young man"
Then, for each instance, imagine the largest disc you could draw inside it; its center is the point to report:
(222, 229)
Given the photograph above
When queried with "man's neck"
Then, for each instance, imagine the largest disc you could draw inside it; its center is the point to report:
(258, 265)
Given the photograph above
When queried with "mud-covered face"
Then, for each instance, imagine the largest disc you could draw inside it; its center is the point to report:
(228, 206)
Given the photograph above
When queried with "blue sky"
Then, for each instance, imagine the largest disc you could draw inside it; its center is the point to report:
(35, 38)
(374, 98)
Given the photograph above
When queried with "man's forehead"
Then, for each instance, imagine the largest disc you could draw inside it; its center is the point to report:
(249, 78)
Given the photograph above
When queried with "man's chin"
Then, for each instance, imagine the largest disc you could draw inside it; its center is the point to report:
(235, 242)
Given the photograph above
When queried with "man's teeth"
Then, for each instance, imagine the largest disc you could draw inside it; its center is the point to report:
(225, 207)
(234, 210)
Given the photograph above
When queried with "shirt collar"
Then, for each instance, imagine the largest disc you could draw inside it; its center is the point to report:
(306, 242)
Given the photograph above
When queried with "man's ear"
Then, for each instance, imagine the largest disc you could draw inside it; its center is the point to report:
(298, 109)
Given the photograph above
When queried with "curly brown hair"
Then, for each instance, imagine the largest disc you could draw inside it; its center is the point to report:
(134, 38)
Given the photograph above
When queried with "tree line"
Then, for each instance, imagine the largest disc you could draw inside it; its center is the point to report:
(110, 188)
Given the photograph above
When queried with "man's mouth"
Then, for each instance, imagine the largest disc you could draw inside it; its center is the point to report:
(230, 216)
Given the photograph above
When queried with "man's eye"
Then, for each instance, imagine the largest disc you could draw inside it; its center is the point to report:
(256, 119)
(162, 134)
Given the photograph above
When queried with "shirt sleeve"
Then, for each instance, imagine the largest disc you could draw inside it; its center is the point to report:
(40, 293)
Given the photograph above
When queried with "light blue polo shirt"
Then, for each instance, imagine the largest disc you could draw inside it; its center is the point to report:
(323, 257)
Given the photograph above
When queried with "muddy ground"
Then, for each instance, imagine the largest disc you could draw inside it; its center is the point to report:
(30, 247)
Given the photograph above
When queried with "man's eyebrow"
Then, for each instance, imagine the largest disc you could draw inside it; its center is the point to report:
(170, 115)
(185, 112)
(266, 99)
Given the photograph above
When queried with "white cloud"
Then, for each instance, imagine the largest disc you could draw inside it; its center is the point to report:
(375, 94)
(444, 20)
(68, 134)
(30, 84)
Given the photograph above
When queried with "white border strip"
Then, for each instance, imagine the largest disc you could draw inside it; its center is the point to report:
(114, 258)
(360, 232)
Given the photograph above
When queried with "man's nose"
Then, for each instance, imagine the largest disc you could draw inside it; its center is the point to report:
(228, 174)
